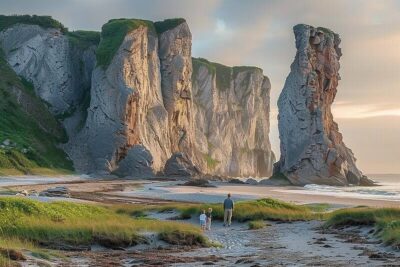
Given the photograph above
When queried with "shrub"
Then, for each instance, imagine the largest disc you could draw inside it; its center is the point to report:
(254, 225)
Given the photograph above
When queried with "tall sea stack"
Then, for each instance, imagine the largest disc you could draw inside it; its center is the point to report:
(312, 148)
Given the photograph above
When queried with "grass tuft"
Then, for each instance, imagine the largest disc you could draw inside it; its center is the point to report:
(254, 225)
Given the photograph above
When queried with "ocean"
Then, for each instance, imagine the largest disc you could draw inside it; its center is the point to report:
(388, 189)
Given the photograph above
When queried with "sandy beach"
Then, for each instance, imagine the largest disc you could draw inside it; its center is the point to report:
(300, 243)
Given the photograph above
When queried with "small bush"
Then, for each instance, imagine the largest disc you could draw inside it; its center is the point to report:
(254, 225)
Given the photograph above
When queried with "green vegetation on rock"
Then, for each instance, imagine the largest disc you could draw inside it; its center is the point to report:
(113, 34)
(28, 138)
(42, 21)
(224, 74)
(84, 39)
(168, 24)
(211, 163)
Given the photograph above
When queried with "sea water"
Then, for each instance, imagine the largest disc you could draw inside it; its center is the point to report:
(388, 189)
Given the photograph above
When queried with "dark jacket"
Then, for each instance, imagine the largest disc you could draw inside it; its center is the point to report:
(209, 214)
(228, 204)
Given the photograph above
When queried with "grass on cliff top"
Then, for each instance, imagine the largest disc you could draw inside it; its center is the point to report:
(224, 74)
(42, 21)
(113, 34)
(84, 39)
(66, 224)
(33, 135)
(168, 24)
(385, 220)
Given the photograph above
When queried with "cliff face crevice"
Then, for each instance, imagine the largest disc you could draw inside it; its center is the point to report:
(312, 148)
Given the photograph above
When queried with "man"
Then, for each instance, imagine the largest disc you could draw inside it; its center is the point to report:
(228, 209)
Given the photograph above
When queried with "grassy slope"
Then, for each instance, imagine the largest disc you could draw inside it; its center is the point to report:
(37, 132)
(62, 224)
(385, 220)
(112, 36)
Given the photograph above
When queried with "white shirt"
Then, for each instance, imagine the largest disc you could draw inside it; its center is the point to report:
(203, 217)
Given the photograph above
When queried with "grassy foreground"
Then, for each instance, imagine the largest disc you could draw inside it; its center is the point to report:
(64, 225)
(385, 220)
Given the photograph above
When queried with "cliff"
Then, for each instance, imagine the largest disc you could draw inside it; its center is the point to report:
(133, 103)
(231, 107)
(312, 148)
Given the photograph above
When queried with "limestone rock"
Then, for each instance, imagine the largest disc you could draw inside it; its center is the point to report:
(126, 107)
(312, 148)
(176, 72)
(137, 163)
(44, 57)
(181, 165)
(147, 111)
(231, 107)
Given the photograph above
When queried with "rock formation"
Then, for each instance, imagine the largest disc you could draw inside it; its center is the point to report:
(132, 104)
(46, 58)
(231, 110)
(312, 148)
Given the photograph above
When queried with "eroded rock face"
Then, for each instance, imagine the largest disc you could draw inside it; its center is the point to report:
(44, 57)
(142, 114)
(231, 107)
(312, 148)
(127, 108)
(181, 165)
(176, 70)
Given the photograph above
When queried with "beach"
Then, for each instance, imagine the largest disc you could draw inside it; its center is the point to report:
(297, 243)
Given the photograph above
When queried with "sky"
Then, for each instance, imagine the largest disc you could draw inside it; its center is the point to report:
(259, 33)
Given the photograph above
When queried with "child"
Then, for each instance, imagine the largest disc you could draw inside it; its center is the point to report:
(203, 218)
(209, 217)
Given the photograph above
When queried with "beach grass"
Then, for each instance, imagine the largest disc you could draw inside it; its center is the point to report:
(385, 220)
(257, 224)
(64, 225)
(262, 209)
